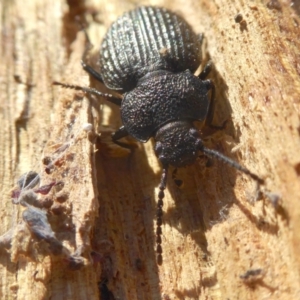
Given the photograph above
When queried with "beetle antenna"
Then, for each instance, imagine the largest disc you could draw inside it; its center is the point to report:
(215, 154)
(159, 213)
(109, 97)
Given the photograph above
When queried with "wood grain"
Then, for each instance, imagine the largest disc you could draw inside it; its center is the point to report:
(218, 242)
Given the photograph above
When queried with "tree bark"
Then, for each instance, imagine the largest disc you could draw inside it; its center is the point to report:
(220, 239)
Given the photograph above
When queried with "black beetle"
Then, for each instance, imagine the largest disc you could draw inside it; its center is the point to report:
(150, 55)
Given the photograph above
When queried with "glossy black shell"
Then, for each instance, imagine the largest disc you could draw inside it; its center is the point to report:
(144, 40)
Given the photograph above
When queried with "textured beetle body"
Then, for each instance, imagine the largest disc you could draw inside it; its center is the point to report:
(144, 40)
(150, 54)
(162, 97)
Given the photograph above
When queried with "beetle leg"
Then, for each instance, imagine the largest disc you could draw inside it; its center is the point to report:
(120, 133)
(201, 38)
(84, 65)
(91, 71)
(207, 68)
(211, 109)
(210, 114)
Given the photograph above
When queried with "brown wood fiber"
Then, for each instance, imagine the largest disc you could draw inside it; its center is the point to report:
(213, 232)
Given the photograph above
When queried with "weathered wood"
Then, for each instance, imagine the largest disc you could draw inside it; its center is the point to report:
(213, 232)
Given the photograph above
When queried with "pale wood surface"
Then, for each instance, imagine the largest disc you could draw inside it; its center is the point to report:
(213, 232)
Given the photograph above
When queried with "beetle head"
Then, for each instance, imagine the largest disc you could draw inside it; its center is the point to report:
(177, 144)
